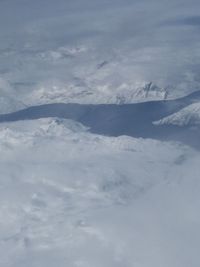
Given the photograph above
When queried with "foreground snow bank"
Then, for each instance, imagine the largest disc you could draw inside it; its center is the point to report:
(70, 198)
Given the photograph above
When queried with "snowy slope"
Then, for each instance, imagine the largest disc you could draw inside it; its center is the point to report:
(84, 92)
(189, 116)
(70, 198)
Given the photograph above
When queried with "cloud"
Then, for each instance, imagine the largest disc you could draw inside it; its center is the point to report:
(143, 39)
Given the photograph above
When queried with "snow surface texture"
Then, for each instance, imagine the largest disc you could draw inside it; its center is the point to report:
(186, 116)
(71, 198)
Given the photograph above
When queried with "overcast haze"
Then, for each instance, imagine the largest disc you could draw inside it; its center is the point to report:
(99, 133)
(144, 41)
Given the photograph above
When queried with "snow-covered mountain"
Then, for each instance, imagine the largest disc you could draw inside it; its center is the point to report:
(188, 116)
(83, 93)
(99, 164)
(78, 199)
